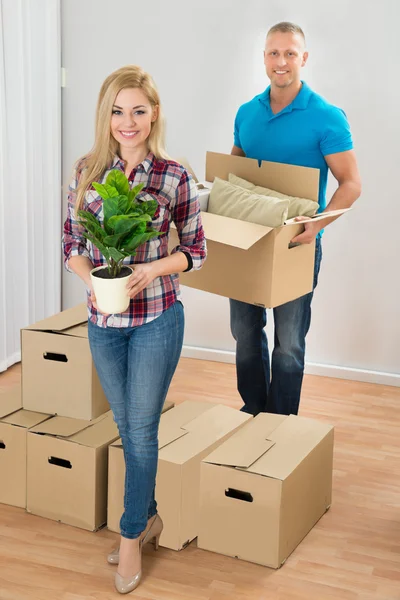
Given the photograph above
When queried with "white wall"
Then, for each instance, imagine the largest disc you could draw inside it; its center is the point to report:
(206, 59)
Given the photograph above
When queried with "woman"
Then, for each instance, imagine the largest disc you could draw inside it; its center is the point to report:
(136, 352)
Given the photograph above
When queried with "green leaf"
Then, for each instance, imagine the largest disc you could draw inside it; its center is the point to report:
(140, 239)
(135, 191)
(110, 209)
(113, 241)
(116, 219)
(119, 181)
(148, 207)
(105, 251)
(123, 204)
(140, 228)
(90, 223)
(116, 254)
(105, 190)
(125, 225)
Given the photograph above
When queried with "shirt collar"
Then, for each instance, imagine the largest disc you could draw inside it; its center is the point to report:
(146, 164)
(299, 102)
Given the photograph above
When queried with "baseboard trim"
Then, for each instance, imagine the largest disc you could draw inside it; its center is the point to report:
(10, 361)
(338, 372)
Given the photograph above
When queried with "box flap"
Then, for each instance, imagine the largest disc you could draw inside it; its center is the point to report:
(63, 320)
(167, 435)
(232, 232)
(173, 420)
(182, 419)
(294, 439)
(203, 432)
(301, 182)
(185, 163)
(80, 330)
(236, 454)
(99, 433)
(62, 426)
(183, 413)
(10, 400)
(26, 418)
(213, 422)
(320, 216)
(248, 444)
(168, 404)
(117, 443)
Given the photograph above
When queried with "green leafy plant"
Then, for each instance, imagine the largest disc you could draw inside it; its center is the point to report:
(126, 222)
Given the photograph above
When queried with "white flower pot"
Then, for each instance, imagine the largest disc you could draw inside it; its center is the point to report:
(111, 294)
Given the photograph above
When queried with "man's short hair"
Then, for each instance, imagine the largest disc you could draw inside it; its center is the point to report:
(287, 27)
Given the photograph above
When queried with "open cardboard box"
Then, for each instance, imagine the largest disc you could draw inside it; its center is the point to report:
(187, 433)
(264, 489)
(67, 470)
(58, 373)
(14, 425)
(250, 262)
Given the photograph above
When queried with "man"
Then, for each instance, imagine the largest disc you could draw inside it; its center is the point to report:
(288, 123)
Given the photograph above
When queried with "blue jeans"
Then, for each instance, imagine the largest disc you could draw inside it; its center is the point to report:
(135, 366)
(272, 388)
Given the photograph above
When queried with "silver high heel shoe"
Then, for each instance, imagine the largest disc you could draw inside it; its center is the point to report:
(113, 557)
(124, 585)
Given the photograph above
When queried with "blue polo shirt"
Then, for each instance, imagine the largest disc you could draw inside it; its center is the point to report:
(301, 134)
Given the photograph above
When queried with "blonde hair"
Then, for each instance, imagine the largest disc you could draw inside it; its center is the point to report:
(105, 147)
(287, 27)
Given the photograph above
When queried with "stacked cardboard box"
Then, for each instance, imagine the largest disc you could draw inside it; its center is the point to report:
(58, 374)
(264, 489)
(67, 461)
(55, 433)
(250, 488)
(187, 433)
(15, 423)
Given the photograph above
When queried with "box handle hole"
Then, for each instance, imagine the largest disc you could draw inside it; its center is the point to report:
(54, 356)
(60, 462)
(238, 495)
(293, 245)
(2, 446)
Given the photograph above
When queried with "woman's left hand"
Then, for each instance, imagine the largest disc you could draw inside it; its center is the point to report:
(142, 276)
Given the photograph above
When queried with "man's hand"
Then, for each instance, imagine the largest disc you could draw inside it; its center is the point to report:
(311, 230)
(142, 276)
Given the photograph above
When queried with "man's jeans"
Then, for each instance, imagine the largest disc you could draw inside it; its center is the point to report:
(275, 390)
(135, 366)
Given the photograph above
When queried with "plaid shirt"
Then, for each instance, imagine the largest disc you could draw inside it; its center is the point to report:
(173, 188)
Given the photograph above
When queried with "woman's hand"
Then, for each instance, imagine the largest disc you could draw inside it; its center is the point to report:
(94, 301)
(142, 276)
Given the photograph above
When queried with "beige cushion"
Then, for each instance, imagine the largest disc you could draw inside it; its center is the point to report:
(297, 206)
(233, 201)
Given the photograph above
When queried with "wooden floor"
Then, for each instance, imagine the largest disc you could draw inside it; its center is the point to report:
(353, 553)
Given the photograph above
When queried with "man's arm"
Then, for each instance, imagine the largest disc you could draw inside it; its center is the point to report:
(236, 151)
(343, 166)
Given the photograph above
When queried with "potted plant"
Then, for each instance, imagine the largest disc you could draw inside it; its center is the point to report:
(125, 227)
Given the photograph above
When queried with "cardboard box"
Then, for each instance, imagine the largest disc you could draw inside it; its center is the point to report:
(250, 262)
(187, 434)
(58, 374)
(264, 489)
(14, 425)
(67, 470)
(10, 400)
